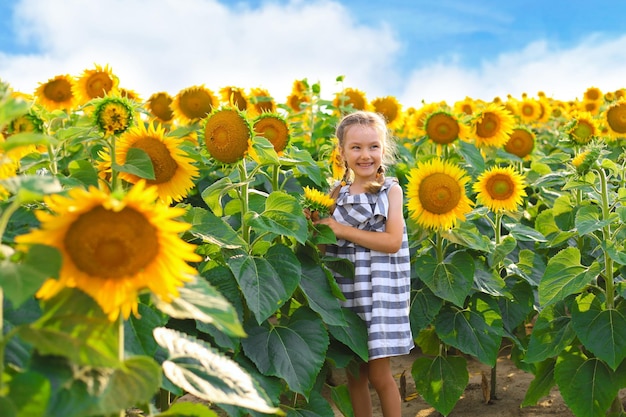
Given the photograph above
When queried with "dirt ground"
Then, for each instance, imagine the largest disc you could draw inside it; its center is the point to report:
(511, 387)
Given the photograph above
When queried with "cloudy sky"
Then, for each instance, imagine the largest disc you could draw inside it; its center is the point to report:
(416, 50)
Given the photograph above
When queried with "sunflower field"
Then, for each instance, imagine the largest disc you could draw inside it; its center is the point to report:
(153, 247)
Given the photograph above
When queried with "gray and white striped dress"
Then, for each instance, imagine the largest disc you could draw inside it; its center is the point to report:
(380, 290)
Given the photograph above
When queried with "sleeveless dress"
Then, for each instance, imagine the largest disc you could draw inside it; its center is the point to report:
(380, 290)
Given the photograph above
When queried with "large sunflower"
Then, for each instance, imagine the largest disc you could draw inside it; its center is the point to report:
(160, 106)
(492, 126)
(436, 194)
(615, 119)
(56, 93)
(193, 104)
(274, 128)
(443, 128)
(227, 135)
(95, 83)
(173, 168)
(500, 189)
(115, 248)
(521, 142)
(390, 108)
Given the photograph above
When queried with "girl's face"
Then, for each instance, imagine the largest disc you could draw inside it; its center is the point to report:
(363, 151)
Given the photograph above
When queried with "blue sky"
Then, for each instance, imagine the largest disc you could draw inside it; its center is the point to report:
(417, 50)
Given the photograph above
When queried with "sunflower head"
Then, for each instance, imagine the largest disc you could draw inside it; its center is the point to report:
(467, 106)
(436, 194)
(26, 123)
(115, 248)
(615, 119)
(113, 115)
(129, 94)
(262, 101)
(492, 126)
(227, 135)
(443, 128)
(95, 83)
(529, 110)
(56, 93)
(160, 106)
(500, 189)
(193, 104)
(173, 168)
(582, 128)
(351, 97)
(521, 142)
(338, 167)
(234, 96)
(273, 127)
(592, 94)
(390, 108)
(316, 204)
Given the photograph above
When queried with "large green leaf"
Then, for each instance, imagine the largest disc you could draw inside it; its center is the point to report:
(354, 335)
(282, 216)
(138, 163)
(532, 266)
(587, 385)
(564, 276)
(541, 385)
(138, 339)
(488, 280)
(341, 398)
(588, 220)
(201, 301)
(424, 308)
(29, 393)
(83, 171)
(266, 283)
(551, 334)
(515, 310)
(207, 374)
(441, 380)
(317, 406)
(451, 280)
(476, 330)
(602, 330)
(212, 229)
(30, 188)
(294, 352)
(20, 281)
(506, 246)
(134, 382)
(75, 327)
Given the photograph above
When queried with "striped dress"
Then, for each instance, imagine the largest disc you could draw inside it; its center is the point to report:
(380, 290)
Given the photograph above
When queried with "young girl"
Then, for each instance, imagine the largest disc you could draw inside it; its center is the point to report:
(368, 222)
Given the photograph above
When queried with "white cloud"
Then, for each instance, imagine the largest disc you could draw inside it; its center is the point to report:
(563, 74)
(168, 45)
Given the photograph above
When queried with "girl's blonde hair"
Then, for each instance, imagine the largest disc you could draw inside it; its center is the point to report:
(377, 121)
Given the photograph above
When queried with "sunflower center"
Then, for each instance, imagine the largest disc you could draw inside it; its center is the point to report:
(442, 128)
(500, 187)
(58, 90)
(164, 165)
(488, 126)
(439, 193)
(114, 118)
(108, 244)
(528, 110)
(520, 143)
(98, 85)
(616, 118)
(583, 132)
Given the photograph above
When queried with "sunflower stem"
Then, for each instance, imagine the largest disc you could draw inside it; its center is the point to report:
(54, 168)
(114, 173)
(497, 237)
(275, 175)
(606, 235)
(120, 347)
(6, 215)
(439, 247)
(243, 175)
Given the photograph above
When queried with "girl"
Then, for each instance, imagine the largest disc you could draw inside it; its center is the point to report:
(369, 224)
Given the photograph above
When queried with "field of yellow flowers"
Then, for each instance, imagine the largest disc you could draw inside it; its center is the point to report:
(152, 247)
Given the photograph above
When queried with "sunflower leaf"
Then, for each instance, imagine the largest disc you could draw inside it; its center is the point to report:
(440, 380)
(138, 163)
(207, 374)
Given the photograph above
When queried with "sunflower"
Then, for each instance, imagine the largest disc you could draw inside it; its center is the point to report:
(521, 142)
(160, 106)
(615, 119)
(582, 128)
(316, 204)
(592, 94)
(500, 189)
(26, 123)
(390, 108)
(443, 128)
(173, 168)
(436, 194)
(274, 128)
(234, 96)
(337, 165)
(493, 126)
(115, 248)
(350, 97)
(296, 101)
(262, 101)
(95, 83)
(592, 107)
(113, 115)
(227, 135)
(129, 94)
(529, 110)
(467, 106)
(56, 93)
(193, 104)
(8, 169)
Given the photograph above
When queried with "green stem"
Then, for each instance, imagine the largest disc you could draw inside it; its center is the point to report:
(275, 175)
(120, 347)
(1, 341)
(54, 168)
(497, 236)
(243, 175)
(439, 247)
(606, 234)
(6, 215)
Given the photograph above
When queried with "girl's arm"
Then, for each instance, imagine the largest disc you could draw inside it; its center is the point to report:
(389, 241)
